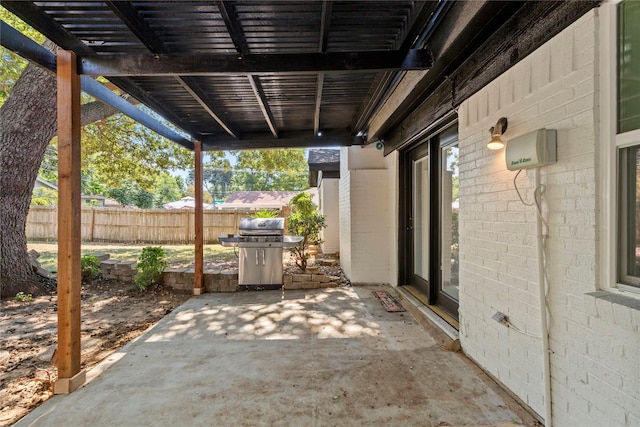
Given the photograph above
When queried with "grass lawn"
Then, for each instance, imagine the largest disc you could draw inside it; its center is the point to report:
(177, 255)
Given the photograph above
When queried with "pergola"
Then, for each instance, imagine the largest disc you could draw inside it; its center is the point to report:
(260, 74)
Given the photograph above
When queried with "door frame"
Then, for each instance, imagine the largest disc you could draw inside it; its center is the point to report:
(431, 145)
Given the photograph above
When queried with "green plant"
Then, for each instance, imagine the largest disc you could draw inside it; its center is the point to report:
(90, 267)
(150, 266)
(44, 196)
(22, 297)
(266, 213)
(307, 222)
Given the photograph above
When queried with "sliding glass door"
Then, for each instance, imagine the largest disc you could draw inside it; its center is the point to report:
(429, 234)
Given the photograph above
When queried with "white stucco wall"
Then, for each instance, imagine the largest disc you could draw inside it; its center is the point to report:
(329, 206)
(595, 340)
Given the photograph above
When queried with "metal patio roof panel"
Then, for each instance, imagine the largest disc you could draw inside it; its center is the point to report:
(172, 95)
(342, 97)
(255, 102)
(280, 26)
(368, 26)
(95, 24)
(187, 27)
(234, 96)
(291, 99)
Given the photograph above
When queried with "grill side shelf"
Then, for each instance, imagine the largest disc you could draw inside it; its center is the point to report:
(228, 241)
(290, 241)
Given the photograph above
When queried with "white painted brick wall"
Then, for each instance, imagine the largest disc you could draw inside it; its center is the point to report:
(365, 216)
(365, 226)
(364, 158)
(370, 224)
(345, 215)
(392, 164)
(329, 196)
(595, 362)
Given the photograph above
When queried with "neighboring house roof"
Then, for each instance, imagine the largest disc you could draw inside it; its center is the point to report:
(85, 198)
(42, 183)
(185, 203)
(323, 160)
(258, 199)
(111, 203)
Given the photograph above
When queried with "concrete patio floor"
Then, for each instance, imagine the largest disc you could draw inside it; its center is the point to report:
(295, 358)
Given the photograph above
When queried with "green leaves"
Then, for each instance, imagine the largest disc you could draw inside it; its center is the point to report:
(271, 170)
(266, 213)
(42, 196)
(89, 267)
(11, 64)
(151, 264)
(130, 194)
(254, 170)
(307, 222)
(117, 148)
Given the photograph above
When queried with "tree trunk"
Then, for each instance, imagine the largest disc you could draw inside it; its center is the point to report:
(28, 122)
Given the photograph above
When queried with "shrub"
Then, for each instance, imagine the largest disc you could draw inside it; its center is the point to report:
(307, 222)
(90, 267)
(44, 196)
(266, 213)
(150, 266)
(22, 297)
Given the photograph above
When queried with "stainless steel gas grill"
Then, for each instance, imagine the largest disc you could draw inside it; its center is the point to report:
(260, 242)
(260, 245)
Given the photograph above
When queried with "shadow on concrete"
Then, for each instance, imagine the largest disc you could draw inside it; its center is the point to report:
(299, 358)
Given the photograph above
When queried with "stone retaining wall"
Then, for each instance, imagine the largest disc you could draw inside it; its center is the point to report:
(214, 280)
(309, 281)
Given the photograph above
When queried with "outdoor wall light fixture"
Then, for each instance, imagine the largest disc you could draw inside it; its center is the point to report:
(496, 132)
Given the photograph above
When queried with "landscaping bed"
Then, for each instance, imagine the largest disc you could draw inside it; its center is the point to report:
(112, 315)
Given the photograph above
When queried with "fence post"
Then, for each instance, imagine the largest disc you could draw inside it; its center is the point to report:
(187, 226)
(93, 221)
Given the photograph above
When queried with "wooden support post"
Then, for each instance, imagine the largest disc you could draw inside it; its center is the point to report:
(198, 222)
(69, 225)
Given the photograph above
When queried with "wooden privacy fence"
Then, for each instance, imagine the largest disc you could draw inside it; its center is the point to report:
(123, 225)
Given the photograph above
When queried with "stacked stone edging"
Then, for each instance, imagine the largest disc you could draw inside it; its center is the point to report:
(214, 280)
(309, 281)
(114, 269)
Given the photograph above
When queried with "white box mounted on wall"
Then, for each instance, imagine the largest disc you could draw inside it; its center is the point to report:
(531, 150)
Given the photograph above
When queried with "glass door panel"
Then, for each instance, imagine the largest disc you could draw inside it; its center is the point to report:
(449, 261)
(421, 218)
(429, 208)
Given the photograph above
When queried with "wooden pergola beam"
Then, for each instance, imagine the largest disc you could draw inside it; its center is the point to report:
(286, 139)
(70, 377)
(252, 63)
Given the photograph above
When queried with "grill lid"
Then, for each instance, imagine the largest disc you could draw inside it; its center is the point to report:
(261, 226)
